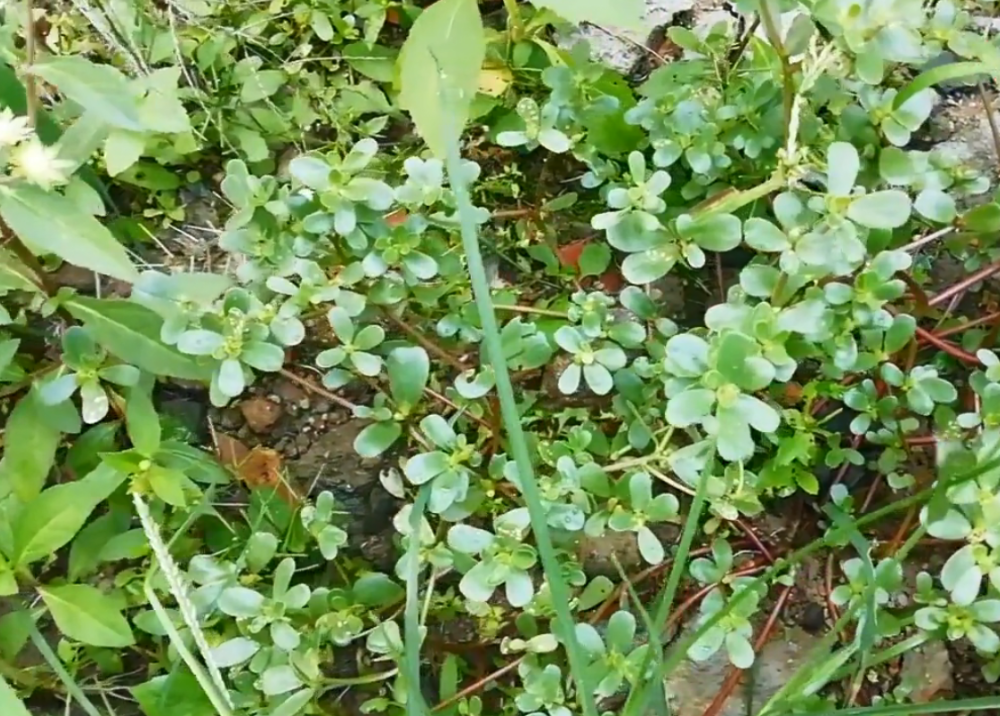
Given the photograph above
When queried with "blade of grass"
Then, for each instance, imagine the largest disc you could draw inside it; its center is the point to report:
(986, 703)
(55, 663)
(415, 705)
(831, 538)
(941, 73)
(512, 426)
(637, 702)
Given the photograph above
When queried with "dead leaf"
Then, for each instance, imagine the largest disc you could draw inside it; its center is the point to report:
(257, 468)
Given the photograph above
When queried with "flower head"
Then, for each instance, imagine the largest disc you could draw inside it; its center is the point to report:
(13, 129)
(39, 164)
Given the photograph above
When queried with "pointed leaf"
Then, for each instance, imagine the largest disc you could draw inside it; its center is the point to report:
(51, 223)
(87, 615)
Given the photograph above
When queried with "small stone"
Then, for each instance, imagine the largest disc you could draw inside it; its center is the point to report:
(926, 672)
(596, 553)
(260, 413)
(290, 392)
(694, 685)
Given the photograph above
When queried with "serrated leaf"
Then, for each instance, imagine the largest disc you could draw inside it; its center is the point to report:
(440, 63)
(87, 615)
(49, 222)
(131, 332)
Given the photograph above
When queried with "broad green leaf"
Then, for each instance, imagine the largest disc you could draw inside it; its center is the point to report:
(621, 13)
(376, 438)
(122, 149)
(81, 139)
(85, 552)
(881, 210)
(30, 444)
(842, 166)
(10, 704)
(49, 222)
(439, 70)
(142, 422)
(87, 615)
(409, 369)
(173, 694)
(935, 205)
(131, 333)
(294, 703)
(53, 518)
(15, 275)
(985, 218)
(97, 87)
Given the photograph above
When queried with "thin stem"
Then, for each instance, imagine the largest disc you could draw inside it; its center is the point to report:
(30, 88)
(479, 684)
(427, 344)
(531, 309)
(312, 387)
(949, 348)
(512, 213)
(965, 283)
(733, 677)
(54, 662)
(924, 240)
(787, 74)
(564, 621)
(514, 18)
(990, 118)
(989, 318)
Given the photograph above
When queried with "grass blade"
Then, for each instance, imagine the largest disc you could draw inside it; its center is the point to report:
(638, 699)
(941, 73)
(515, 434)
(415, 705)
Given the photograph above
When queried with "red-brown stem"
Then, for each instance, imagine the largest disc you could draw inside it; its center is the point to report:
(965, 283)
(989, 318)
(645, 574)
(719, 278)
(478, 684)
(445, 401)
(950, 348)
(923, 240)
(512, 213)
(428, 345)
(752, 536)
(919, 294)
(733, 678)
(855, 442)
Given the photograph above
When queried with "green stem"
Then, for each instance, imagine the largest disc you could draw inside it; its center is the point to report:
(518, 444)
(787, 74)
(515, 19)
(72, 688)
(638, 701)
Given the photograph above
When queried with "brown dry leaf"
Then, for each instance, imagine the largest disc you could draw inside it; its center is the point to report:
(257, 468)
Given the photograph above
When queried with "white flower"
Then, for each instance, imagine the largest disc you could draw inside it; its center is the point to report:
(39, 164)
(13, 129)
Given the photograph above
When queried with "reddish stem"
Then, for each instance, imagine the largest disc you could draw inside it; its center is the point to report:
(479, 684)
(752, 536)
(733, 677)
(965, 283)
(950, 348)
